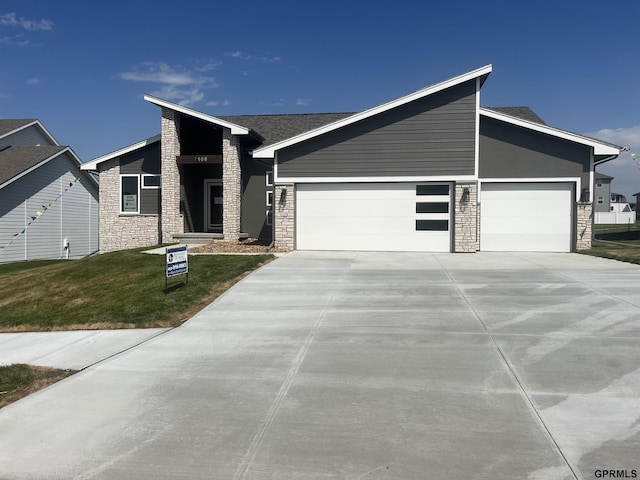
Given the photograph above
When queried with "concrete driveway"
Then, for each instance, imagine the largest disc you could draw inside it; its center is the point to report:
(363, 365)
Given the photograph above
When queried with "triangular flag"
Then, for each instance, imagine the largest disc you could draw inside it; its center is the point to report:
(44, 208)
(15, 234)
(38, 213)
(75, 179)
(50, 203)
(33, 218)
(71, 184)
(29, 223)
(23, 230)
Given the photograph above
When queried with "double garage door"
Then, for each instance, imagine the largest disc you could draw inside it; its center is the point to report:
(418, 217)
(374, 217)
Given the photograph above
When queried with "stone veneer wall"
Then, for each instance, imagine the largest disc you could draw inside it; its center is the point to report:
(231, 186)
(466, 234)
(284, 217)
(584, 213)
(117, 231)
(171, 220)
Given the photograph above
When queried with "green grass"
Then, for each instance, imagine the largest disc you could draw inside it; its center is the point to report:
(113, 290)
(619, 242)
(19, 380)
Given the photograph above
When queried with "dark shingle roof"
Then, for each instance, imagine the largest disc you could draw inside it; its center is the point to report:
(10, 124)
(524, 113)
(15, 160)
(274, 128)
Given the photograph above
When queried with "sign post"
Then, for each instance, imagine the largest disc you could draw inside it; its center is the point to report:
(177, 263)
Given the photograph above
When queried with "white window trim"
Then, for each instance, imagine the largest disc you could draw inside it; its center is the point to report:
(150, 187)
(266, 178)
(576, 180)
(122, 212)
(269, 198)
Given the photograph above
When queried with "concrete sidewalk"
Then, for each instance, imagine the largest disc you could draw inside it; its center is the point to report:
(73, 350)
(362, 365)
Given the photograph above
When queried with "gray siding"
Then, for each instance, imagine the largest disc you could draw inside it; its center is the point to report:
(431, 136)
(73, 213)
(143, 160)
(605, 192)
(509, 151)
(254, 200)
(27, 137)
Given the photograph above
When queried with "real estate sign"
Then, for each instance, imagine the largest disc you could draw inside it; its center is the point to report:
(177, 261)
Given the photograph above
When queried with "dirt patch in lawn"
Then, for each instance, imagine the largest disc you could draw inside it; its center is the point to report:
(41, 377)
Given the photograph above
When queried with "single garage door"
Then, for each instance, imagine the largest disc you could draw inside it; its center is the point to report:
(526, 217)
(373, 217)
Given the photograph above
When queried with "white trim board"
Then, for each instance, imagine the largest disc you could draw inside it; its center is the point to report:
(449, 178)
(599, 148)
(93, 164)
(27, 125)
(235, 129)
(270, 150)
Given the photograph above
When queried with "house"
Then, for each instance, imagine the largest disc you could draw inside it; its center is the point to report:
(430, 171)
(48, 206)
(610, 208)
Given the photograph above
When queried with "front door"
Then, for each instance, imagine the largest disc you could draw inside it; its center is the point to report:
(213, 205)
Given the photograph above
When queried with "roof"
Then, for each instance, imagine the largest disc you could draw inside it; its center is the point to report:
(525, 113)
(603, 176)
(9, 126)
(599, 147)
(276, 128)
(16, 161)
(235, 129)
(478, 74)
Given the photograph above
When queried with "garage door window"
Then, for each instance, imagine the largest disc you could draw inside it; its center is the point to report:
(432, 225)
(435, 207)
(432, 189)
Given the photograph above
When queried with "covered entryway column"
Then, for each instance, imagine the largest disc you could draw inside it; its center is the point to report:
(231, 185)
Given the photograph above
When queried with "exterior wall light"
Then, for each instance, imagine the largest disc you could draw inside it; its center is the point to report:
(283, 196)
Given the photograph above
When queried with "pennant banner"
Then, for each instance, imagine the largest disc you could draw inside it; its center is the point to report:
(37, 215)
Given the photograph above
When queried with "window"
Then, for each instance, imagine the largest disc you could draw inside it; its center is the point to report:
(150, 181)
(599, 184)
(129, 194)
(432, 189)
(600, 200)
(269, 178)
(270, 217)
(435, 207)
(269, 201)
(433, 225)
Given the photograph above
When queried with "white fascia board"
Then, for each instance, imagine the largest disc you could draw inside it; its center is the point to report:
(269, 151)
(432, 178)
(235, 129)
(30, 124)
(93, 164)
(599, 148)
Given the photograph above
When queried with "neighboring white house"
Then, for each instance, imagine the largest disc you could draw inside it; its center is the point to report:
(48, 207)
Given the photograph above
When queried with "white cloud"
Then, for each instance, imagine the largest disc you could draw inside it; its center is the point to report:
(271, 59)
(303, 101)
(625, 169)
(12, 20)
(180, 85)
(216, 103)
(33, 81)
(17, 41)
(239, 55)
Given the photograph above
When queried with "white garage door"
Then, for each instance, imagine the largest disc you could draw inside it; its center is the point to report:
(373, 217)
(526, 217)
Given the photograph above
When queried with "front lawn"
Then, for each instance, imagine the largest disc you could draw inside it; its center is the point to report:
(19, 380)
(114, 290)
(619, 242)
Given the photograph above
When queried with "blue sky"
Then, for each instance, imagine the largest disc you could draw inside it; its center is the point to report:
(83, 67)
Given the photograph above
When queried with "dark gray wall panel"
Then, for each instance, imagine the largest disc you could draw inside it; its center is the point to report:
(143, 160)
(431, 136)
(510, 151)
(254, 200)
